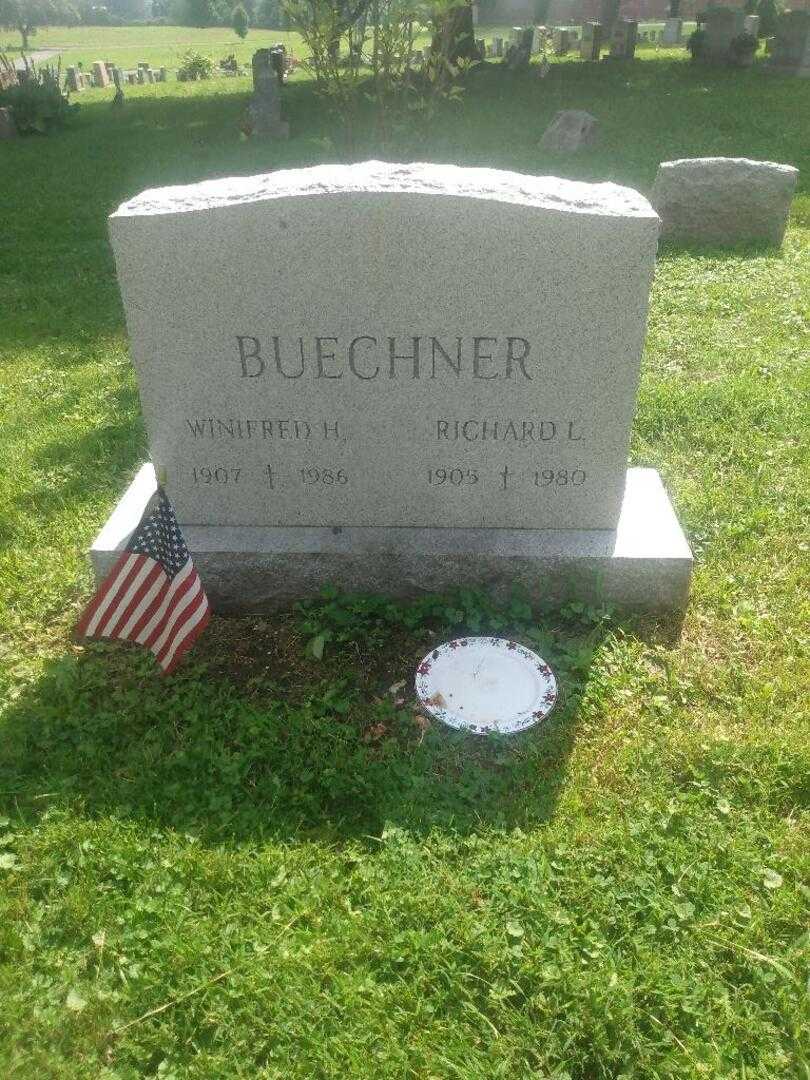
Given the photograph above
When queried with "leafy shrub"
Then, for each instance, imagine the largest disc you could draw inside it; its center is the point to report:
(194, 66)
(696, 43)
(37, 103)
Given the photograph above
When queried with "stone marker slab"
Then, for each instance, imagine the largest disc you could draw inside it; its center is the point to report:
(388, 345)
(645, 563)
(724, 200)
(790, 53)
(673, 30)
(570, 130)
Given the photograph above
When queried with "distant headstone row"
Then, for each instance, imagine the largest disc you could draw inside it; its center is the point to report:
(104, 73)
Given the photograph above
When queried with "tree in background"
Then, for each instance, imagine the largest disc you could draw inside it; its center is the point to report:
(769, 12)
(269, 14)
(25, 16)
(239, 21)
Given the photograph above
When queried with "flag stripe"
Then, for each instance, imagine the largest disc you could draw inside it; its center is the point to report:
(179, 606)
(154, 640)
(106, 627)
(156, 581)
(143, 635)
(188, 633)
(111, 589)
(94, 604)
(148, 613)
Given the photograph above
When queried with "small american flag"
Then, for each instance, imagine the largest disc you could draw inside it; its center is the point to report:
(152, 595)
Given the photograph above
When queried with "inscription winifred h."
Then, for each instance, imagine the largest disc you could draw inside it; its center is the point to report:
(471, 361)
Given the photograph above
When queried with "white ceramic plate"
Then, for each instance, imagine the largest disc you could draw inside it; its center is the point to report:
(486, 685)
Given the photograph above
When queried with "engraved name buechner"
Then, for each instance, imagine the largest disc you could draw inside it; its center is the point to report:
(368, 356)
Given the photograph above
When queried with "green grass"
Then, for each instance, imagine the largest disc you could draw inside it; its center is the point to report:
(264, 867)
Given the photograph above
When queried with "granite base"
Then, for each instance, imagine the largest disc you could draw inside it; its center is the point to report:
(644, 564)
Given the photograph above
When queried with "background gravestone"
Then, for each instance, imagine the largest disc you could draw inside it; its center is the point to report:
(790, 52)
(623, 40)
(673, 29)
(590, 45)
(721, 25)
(724, 200)
(264, 107)
(570, 130)
(350, 392)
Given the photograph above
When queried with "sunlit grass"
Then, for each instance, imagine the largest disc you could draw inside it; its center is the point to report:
(263, 867)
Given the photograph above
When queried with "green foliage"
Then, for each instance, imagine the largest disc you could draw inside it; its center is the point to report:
(194, 66)
(38, 104)
(364, 52)
(239, 21)
(696, 43)
(25, 16)
(270, 14)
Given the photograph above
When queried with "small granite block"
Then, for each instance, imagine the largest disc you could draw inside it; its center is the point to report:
(645, 563)
(569, 130)
(724, 200)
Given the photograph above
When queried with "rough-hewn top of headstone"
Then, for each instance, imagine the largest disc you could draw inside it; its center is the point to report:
(728, 162)
(546, 192)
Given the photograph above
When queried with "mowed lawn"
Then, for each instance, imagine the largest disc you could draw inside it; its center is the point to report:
(268, 866)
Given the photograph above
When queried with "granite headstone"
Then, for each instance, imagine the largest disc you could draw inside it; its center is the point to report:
(385, 372)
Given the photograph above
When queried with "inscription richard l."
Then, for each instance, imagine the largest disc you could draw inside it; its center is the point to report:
(523, 432)
(367, 357)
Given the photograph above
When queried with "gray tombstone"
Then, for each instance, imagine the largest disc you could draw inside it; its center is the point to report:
(623, 40)
(264, 107)
(400, 416)
(590, 46)
(561, 42)
(73, 79)
(519, 52)
(570, 130)
(721, 25)
(790, 50)
(673, 29)
(723, 200)
(100, 76)
(499, 46)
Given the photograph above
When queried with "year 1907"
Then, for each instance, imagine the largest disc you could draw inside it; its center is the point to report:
(218, 474)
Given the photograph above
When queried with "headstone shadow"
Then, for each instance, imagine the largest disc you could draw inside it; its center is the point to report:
(241, 747)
